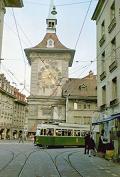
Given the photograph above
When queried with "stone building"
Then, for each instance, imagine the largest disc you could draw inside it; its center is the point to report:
(12, 110)
(107, 17)
(3, 5)
(49, 62)
(81, 100)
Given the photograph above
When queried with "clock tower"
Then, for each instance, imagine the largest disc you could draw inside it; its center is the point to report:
(49, 61)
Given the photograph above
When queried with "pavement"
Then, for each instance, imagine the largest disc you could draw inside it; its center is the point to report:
(63, 157)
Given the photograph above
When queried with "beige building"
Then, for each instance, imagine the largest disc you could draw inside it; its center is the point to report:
(13, 107)
(3, 5)
(81, 100)
(49, 62)
(107, 16)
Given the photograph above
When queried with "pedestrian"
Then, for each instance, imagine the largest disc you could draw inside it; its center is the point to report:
(87, 137)
(20, 137)
(91, 146)
(102, 143)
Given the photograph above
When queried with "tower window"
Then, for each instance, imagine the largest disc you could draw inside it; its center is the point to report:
(51, 24)
(83, 87)
(50, 43)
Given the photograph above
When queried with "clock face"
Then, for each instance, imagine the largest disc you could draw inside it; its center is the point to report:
(49, 76)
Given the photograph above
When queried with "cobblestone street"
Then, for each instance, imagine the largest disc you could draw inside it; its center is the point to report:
(27, 160)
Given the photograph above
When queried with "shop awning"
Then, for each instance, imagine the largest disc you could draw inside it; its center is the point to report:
(109, 118)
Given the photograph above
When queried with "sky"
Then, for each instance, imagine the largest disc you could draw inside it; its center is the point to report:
(26, 27)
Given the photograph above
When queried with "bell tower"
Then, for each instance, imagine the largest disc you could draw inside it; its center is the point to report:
(51, 20)
(49, 61)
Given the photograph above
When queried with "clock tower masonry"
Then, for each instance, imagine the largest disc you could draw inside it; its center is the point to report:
(49, 61)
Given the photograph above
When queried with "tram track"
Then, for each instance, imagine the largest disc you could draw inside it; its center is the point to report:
(14, 157)
(55, 160)
(7, 164)
(22, 168)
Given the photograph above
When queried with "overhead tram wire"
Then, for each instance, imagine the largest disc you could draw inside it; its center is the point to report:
(67, 4)
(20, 47)
(83, 24)
(11, 75)
(14, 32)
(73, 72)
(8, 73)
(60, 81)
(19, 38)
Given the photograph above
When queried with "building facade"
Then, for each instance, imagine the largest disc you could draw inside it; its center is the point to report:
(49, 62)
(13, 108)
(81, 100)
(107, 16)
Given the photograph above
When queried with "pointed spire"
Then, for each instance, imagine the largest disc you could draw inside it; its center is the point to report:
(51, 21)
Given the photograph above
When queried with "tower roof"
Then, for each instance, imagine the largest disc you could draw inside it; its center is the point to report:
(43, 47)
(53, 36)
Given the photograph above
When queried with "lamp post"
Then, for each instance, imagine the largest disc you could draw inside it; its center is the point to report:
(67, 102)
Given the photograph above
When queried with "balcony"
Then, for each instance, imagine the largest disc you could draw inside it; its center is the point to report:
(13, 3)
(113, 102)
(102, 40)
(103, 75)
(112, 25)
(103, 107)
(113, 66)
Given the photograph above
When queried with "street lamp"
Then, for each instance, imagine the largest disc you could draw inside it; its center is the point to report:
(67, 101)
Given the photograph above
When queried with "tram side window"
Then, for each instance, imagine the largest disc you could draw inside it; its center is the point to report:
(50, 132)
(58, 132)
(70, 133)
(83, 133)
(44, 131)
(64, 132)
(77, 133)
(41, 132)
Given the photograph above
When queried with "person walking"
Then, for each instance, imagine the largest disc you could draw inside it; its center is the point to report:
(102, 143)
(20, 137)
(87, 137)
(91, 146)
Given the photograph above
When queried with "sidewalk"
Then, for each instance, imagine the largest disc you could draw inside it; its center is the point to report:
(14, 141)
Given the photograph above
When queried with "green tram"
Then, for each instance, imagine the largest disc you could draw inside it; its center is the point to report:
(48, 135)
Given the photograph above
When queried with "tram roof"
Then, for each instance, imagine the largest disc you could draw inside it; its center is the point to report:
(64, 126)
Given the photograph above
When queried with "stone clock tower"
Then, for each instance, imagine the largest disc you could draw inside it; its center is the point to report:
(49, 62)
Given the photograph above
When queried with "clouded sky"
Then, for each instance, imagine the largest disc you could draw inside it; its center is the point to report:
(26, 27)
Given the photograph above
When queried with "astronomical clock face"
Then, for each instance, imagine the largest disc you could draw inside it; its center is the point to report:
(49, 76)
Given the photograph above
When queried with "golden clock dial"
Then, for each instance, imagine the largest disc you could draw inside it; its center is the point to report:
(49, 77)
